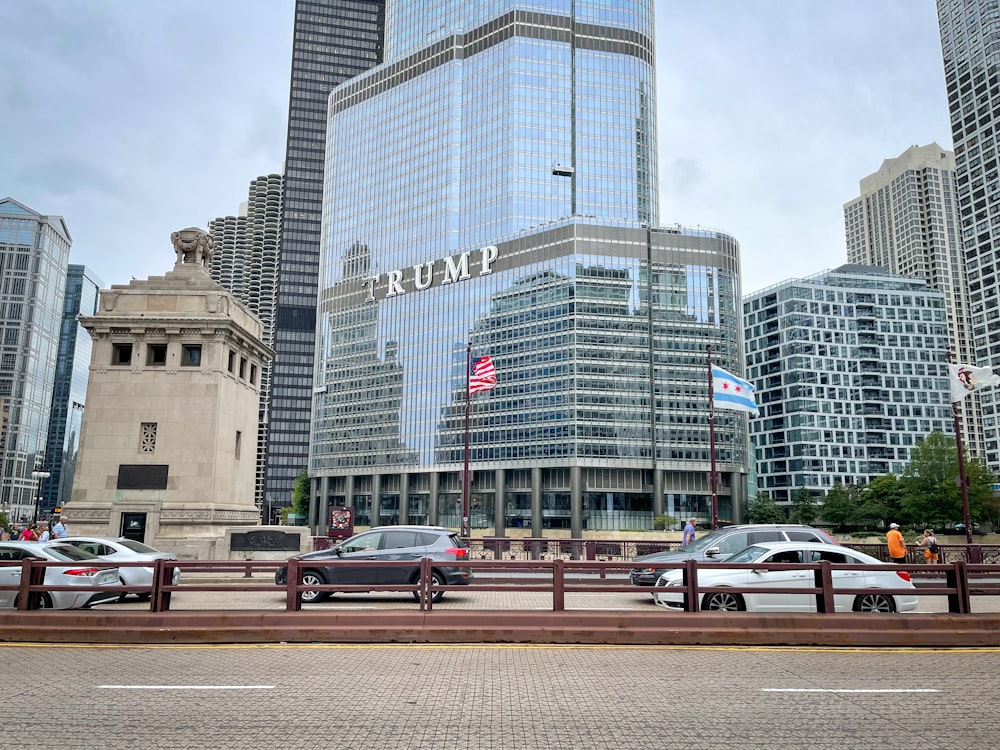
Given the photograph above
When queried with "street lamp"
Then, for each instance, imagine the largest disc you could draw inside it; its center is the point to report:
(40, 475)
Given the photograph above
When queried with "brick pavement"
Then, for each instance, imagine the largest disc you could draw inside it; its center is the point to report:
(498, 698)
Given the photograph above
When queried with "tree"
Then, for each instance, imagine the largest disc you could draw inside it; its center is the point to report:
(804, 508)
(300, 493)
(932, 495)
(840, 506)
(880, 502)
(763, 509)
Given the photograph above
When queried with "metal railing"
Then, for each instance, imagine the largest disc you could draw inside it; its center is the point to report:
(557, 577)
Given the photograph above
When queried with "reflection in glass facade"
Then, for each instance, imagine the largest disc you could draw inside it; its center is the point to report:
(70, 392)
(493, 184)
(34, 256)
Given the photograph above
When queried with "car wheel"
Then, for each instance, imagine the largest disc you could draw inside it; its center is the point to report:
(312, 578)
(122, 597)
(44, 601)
(874, 603)
(438, 581)
(723, 602)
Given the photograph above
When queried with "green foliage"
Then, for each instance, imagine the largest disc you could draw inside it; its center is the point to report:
(4, 522)
(763, 509)
(664, 522)
(932, 495)
(840, 505)
(804, 507)
(300, 495)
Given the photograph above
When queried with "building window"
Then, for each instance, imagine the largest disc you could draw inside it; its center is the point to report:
(243, 368)
(239, 441)
(147, 437)
(253, 374)
(156, 355)
(121, 354)
(232, 361)
(191, 355)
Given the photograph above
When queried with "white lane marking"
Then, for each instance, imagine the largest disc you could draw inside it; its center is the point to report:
(186, 687)
(831, 690)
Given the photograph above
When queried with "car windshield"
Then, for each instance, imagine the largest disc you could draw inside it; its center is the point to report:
(138, 547)
(709, 540)
(69, 552)
(748, 555)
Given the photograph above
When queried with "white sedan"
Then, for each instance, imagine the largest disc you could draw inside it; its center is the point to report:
(670, 594)
(126, 550)
(78, 569)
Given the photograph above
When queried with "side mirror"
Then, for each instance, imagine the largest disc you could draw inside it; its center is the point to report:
(338, 550)
(712, 552)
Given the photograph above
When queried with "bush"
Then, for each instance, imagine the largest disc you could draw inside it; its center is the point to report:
(664, 522)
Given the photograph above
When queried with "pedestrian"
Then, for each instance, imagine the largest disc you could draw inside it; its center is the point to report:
(897, 547)
(29, 534)
(43, 533)
(930, 545)
(59, 530)
(689, 532)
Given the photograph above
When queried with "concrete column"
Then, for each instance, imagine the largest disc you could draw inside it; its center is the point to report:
(738, 487)
(404, 498)
(312, 514)
(432, 511)
(500, 503)
(349, 492)
(657, 492)
(536, 502)
(324, 507)
(575, 502)
(376, 499)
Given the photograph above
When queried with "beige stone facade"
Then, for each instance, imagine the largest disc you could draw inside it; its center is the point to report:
(169, 439)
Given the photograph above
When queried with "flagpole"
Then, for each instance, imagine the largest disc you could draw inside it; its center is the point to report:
(963, 482)
(466, 527)
(711, 443)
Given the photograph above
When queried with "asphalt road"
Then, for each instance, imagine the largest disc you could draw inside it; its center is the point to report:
(497, 698)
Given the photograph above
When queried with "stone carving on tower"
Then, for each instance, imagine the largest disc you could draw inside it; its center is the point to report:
(193, 245)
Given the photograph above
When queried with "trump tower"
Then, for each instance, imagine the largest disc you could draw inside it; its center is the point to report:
(491, 190)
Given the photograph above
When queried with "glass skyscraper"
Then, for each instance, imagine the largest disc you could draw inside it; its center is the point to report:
(69, 394)
(492, 186)
(333, 40)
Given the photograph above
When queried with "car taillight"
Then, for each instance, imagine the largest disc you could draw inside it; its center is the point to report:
(83, 571)
(904, 575)
(458, 551)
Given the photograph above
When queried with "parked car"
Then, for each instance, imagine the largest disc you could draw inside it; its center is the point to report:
(126, 550)
(338, 564)
(76, 572)
(720, 544)
(669, 594)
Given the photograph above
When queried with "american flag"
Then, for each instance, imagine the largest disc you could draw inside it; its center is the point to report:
(483, 375)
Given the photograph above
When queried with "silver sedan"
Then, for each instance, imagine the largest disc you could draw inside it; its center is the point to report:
(77, 572)
(126, 550)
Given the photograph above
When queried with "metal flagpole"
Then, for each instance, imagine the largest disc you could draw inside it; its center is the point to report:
(963, 482)
(711, 444)
(466, 528)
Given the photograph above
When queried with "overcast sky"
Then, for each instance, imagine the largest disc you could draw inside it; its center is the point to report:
(133, 118)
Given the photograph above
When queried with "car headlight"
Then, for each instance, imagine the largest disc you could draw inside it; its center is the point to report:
(666, 581)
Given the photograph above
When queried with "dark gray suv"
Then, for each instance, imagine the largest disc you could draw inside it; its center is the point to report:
(337, 564)
(722, 543)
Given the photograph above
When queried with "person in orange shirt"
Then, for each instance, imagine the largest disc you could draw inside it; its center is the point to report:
(897, 547)
(930, 545)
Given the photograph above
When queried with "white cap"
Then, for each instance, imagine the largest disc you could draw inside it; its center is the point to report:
(893, 525)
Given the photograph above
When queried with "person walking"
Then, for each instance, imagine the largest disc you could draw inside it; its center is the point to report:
(689, 532)
(930, 545)
(43, 533)
(59, 531)
(897, 547)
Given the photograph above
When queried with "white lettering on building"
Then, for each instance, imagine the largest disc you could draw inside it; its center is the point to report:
(423, 274)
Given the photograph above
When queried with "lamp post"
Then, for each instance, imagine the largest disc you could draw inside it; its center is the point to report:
(40, 475)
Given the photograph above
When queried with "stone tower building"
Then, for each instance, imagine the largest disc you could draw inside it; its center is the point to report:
(169, 438)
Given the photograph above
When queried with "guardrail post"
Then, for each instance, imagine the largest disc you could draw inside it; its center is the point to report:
(248, 568)
(31, 575)
(957, 577)
(690, 581)
(293, 584)
(159, 598)
(823, 579)
(558, 585)
(426, 598)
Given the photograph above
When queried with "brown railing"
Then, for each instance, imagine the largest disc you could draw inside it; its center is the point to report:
(557, 577)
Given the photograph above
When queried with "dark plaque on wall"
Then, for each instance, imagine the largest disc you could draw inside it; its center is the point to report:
(249, 541)
(142, 476)
(341, 523)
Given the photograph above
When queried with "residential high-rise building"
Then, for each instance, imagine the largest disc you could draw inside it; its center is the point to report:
(491, 190)
(971, 55)
(34, 256)
(246, 263)
(69, 394)
(906, 221)
(851, 372)
(333, 40)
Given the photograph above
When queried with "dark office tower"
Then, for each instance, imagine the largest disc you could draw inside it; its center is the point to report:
(70, 391)
(970, 45)
(246, 263)
(333, 41)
